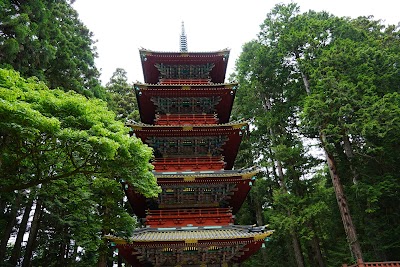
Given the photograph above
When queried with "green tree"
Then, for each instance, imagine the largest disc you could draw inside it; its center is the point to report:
(314, 78)
(46, 39)
(122, 99)
(48, 135)
(73, 153)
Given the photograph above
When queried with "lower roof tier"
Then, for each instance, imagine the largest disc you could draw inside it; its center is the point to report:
(191, 245)
(202, 189)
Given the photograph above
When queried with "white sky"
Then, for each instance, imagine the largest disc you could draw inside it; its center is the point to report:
(121, 27)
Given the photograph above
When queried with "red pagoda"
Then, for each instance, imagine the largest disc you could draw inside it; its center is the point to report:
(184, 108)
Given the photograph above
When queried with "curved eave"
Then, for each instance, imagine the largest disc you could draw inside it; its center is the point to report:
(145, 86)
(191, 236)
(144, 51)
(235, 125)
(201, 175)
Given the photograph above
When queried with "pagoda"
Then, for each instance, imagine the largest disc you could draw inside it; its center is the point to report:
(185, 107)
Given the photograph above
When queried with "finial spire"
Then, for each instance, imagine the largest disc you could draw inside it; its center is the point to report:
(183, 39)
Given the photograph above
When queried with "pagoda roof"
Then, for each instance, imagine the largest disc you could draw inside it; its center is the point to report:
(150, 58)
(190, 127)
(183, 86)
(198, 175)
(192, 234)
(212, 244)
(242, 179)
(233, 130)
(147, 108)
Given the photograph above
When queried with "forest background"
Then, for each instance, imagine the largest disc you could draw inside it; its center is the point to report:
(317, 88)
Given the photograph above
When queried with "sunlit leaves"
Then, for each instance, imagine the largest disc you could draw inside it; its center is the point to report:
(42, 128)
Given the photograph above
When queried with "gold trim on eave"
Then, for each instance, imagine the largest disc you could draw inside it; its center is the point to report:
(262, 236)
(189, 179)
(135, 127)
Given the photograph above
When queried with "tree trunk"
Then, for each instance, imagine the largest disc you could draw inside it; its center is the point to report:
(16, 251)
(338, 187)
(72, 259)
(348, 150)
(342, 202)
(33, 233)
(61, 257)
(317, 251)
(119, 260)
(259, 212)
(297, 250)
(8, 229)
(260, 221)
(102, 262)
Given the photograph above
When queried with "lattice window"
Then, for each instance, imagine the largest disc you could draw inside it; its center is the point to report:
(194, 195)
(186, 105)
(194, 254)
(191, 146)
(184, 71)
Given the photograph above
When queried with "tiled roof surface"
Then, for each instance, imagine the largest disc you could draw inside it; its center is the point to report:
(192, 235)
(143, 50)
(233, 124)
(166, 86)
(245, 174)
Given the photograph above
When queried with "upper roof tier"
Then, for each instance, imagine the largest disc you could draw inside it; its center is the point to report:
(170, 66)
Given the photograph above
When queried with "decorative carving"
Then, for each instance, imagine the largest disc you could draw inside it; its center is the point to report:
(202, 254)
(184, 71)
(181, 195)
(193, 146)
(186, 105)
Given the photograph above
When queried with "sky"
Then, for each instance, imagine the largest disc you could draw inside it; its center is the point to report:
(122, 27)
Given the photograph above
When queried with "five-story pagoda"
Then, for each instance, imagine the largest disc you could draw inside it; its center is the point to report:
(184, 108)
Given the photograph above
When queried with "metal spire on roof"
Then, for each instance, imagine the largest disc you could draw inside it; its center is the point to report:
(183, 40)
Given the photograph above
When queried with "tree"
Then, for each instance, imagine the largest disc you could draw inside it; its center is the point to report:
(263, 83)
(46, 39)
(122, 98)
(319, 77)
(48, 135)
(72, 152)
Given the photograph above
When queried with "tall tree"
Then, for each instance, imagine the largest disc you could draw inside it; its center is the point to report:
(122, 99)
(46, 39)
(70, 147)
(319, 77)
(48, 135)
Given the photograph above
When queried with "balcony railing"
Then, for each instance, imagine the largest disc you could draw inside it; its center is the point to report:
(374, 264)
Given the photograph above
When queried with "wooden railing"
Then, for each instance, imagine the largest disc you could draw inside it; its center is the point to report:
(185, 119)
(194, 164)
(192, 217)
(374, 264)
(189, 212)
(183, 81)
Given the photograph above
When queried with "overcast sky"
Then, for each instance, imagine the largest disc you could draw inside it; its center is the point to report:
(121, 27)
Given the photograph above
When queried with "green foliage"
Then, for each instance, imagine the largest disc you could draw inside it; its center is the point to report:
(312, 73)
(46, 39)
(48, 135)
(75, 151)
(122, 98)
